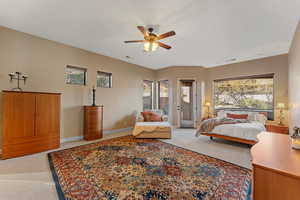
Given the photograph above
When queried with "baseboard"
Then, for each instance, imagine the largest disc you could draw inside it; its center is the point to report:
(76, 138)
(71, 139)
(117, 130)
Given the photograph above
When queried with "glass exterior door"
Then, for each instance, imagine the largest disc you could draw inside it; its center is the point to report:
(186, 104)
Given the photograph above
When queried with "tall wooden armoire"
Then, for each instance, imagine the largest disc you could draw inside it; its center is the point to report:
(31, 123)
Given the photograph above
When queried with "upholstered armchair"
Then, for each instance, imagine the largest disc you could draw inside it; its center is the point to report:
(165, 118)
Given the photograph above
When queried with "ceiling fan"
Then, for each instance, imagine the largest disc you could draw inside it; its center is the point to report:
(151, 40)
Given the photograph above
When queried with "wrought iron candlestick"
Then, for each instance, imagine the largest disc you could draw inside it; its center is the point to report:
(94, 96)
(19, 77)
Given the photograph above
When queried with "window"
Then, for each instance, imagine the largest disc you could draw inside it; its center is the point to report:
(163, 96)
(249, 93)
(147, 95)
(75, 75)
(104, 79)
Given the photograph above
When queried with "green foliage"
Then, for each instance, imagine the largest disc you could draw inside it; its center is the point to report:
(245, 93)
(103, 82)
(77, 79)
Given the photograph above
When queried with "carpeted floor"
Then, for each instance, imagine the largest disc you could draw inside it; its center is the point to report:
(31, 177)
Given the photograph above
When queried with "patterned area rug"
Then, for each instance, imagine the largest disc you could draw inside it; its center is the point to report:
(129, 168)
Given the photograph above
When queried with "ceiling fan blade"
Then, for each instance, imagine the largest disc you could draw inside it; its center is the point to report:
(165, 35)
(133, 41)
(164, 45)
(142, 29)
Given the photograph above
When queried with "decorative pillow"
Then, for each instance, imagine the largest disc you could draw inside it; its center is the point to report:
(221, 114)
(155, 117)
(261, 118)
(237, 116)
(151, 116)
(264, 113)
(146, 115)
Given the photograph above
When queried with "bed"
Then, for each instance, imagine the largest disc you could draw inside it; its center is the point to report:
(243, 130)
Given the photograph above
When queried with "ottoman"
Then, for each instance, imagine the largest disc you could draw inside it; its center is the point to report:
(161, 130)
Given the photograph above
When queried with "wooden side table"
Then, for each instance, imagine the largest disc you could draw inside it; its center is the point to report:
(276, 128)
(93, 122)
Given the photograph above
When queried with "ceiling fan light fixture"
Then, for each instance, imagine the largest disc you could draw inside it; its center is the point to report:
(150, 46)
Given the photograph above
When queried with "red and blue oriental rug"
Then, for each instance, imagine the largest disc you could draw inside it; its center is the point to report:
(148, 169)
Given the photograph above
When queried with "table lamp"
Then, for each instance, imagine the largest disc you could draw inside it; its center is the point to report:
(281, 107)
(207, 104)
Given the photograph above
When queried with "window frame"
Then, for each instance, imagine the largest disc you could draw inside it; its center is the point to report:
(109, 77)
(158, 83)
(77, 68)
(263, 76)
(152, 93)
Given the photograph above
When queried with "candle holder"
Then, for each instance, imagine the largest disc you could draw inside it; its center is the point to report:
(94, 96)
(19, 77)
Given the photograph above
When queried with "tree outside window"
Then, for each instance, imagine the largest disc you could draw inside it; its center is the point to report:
(104, 79)
(245, 94)
(75, 75)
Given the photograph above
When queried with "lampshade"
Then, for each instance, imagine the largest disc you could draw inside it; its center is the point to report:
(150, 46)
(280, 105)
(207, 104)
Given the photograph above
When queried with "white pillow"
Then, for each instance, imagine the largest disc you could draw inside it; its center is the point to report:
(221, 114)
(260, 118)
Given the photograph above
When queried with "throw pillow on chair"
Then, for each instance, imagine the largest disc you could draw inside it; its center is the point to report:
(151, 117)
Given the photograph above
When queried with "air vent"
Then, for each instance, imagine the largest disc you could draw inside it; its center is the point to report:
(231, 60)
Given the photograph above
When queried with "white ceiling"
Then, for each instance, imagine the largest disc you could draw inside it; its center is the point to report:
(209, 32)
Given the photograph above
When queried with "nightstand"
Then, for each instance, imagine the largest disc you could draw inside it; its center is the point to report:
(276, 128)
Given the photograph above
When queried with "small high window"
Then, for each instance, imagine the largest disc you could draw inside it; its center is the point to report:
(104, 79)
(75, 75)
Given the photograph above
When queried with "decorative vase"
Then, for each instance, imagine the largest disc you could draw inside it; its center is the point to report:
(296, 143)
(296, 138)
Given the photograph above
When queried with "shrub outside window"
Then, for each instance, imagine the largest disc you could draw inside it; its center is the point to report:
(250, 93)
(104, 79)
(75, 75)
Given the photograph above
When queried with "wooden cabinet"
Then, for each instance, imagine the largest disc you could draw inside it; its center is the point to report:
(276, 168)
(31, 123)
(93, 122)
(276, 128)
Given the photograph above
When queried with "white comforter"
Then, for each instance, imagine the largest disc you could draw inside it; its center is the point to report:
(247, 131)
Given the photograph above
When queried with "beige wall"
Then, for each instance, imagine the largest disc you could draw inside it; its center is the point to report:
(276, 64)
(294, 80)
(44, 62)
(173, 74)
